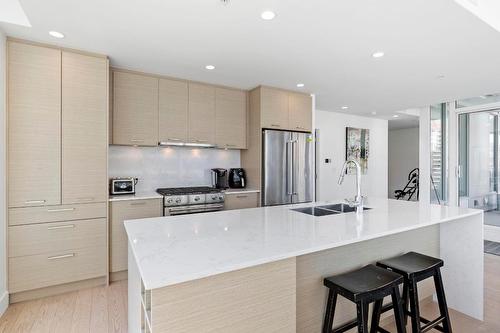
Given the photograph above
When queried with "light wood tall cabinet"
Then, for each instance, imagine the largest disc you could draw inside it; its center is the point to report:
(135, 109)
(34, 131)
(300, 112)
(274, 108)
(57, 170)
(173, 111)
(84, 128)
(201, 113)
(231, 118)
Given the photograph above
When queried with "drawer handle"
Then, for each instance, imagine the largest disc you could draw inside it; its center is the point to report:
(173, 139)
(85, 199)
(35, 201)
(69, 255)
(66, 226)
(275, 125)
(230, 145)
(136, 140)
(242, 196)
(58, 210)
(137, 203)
(201, 141)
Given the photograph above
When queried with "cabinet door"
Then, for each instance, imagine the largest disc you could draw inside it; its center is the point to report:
(173, 109)
(201, 113)
(274, 108)
(127, 210)
(34, 151)
(135, 109)
(231, 118)
(84, 128)
(300, 112)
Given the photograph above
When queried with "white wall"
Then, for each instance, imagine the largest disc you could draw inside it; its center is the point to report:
(169, 167)
(331, 144)
(4, 296)
(403, 157)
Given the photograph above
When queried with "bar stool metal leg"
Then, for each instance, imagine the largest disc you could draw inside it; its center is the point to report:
(443, 308)
(362, 309)
(330, 311)
(415, 312)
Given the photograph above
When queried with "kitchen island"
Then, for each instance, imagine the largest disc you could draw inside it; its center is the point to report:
(261, 269)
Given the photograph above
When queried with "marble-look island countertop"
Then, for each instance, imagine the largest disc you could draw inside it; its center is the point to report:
(171, 250)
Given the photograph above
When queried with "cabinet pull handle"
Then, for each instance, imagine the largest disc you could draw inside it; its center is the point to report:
(67, 226)
(85, 199)
(136, 140)
(275, 125)
(201, 141)
(35, 201)
(137, 203)
(230, 145)
(57, 210)
(69, 255)
(242, 196)
(173, 139)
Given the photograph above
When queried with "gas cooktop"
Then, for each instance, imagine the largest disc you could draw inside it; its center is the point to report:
(187, 190)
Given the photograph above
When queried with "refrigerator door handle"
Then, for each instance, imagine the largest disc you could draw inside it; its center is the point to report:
(294, 155)
(289, 168)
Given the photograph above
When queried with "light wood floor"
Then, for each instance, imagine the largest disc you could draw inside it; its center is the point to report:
(104, 309)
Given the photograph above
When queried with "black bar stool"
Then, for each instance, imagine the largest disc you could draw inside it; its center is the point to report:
(363, 286)
(416, 267)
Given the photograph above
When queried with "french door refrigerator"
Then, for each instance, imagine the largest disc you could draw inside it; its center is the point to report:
(287, 167)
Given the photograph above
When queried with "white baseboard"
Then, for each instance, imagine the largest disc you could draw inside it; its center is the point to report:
(492, 233)
(4, 302)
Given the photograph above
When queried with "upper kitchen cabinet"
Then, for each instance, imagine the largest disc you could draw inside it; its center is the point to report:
(274, 108)
(201, 113)
(34, 122)
(84, 128)
(173, 111)
(300, 112)
(231, 118)
(135, 109)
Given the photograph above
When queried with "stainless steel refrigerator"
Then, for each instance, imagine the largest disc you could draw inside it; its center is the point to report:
(287, 167)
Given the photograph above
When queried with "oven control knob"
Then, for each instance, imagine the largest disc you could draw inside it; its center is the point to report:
(214, 197)
(197, 199)
(221, 197)
(170, 200)
(178, 200)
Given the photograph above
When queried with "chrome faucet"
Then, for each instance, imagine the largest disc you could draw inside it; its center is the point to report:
(358, 199)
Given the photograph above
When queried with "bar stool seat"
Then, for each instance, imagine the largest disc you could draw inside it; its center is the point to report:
(416, 267)
(363, 286)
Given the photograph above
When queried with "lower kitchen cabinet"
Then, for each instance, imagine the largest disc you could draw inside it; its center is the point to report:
(127, 210)
(241, 200)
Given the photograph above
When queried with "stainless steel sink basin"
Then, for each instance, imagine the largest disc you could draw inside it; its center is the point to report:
(327, 209)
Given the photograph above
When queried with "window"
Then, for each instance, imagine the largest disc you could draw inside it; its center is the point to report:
(439, 157)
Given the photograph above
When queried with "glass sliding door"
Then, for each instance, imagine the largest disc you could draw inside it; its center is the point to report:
(439, 157)
(479, 163)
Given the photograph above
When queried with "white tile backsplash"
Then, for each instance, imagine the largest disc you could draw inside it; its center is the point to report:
(169, 166)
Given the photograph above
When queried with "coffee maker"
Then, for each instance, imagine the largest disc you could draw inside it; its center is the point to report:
(219, 178)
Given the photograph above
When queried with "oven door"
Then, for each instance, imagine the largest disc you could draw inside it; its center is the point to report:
(193, 209)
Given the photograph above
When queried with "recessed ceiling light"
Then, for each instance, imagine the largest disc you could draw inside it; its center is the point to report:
(374, 112)
(210, 67)
(300, 85)
(56, 34)
(378, 54)
(268, 15)
(395, 116)
(344, 107)
(440, 76)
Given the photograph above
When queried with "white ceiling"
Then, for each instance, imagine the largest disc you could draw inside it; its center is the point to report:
(325, 44)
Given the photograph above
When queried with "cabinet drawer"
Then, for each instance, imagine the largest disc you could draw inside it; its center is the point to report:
(43, 270)
(241, 200)
(127, 210)
(30, 215)
(25, 240)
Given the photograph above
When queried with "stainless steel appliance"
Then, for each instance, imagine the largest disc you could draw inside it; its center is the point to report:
(122, 185)
(219, 178)
(237, 178)
(287, 167)
(189, 200)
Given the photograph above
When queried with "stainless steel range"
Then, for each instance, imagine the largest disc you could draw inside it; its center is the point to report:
(189, 200)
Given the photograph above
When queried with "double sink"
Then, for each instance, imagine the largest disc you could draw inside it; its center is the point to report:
(327, 209)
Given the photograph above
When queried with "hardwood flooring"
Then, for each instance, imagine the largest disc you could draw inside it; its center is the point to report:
(104, 309)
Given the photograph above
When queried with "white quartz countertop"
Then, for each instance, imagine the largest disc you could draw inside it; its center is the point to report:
(171, 250)
(136, 196)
